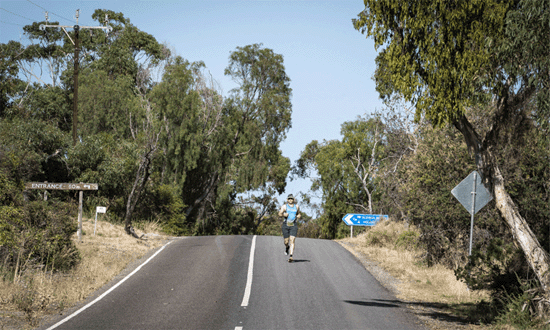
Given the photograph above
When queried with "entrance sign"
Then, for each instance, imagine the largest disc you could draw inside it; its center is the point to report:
(473, 195)
(351, 220)
(61, 186)
(66, 186)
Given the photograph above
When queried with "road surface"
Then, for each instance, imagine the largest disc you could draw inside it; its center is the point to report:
(216, 282)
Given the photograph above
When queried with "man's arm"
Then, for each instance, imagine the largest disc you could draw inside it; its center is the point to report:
(282, 211)
(298, 212)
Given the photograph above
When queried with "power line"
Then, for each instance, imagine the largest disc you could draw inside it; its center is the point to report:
(17, 14)
(70, 20)
(10, 23)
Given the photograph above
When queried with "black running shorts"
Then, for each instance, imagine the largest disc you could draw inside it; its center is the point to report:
(289, 230)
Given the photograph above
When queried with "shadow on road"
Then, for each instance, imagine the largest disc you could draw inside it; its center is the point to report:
(375, 303)
(437, 311)
(300, 260)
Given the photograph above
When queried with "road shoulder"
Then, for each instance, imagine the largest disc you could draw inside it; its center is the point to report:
(434, 316)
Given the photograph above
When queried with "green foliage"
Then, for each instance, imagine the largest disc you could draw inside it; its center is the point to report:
(164, 203)
(431, 49)
(432, 172)
(525, 165)
(32, 150)
(379, 238)
(521, 310)
(346, 171)
(188, 152)
(107, 105)
(408, 240)
(9, 81)
(272, 226)
(38, 233)
(110, 163)
(260, 115)
(309, 228)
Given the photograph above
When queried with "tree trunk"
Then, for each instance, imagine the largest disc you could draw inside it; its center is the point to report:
(538, 259)
(211, 184)
(137, 188)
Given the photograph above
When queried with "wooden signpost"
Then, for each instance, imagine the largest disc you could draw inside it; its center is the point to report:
(66, 186)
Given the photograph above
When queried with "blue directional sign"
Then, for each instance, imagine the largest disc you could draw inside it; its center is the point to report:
(363, 219)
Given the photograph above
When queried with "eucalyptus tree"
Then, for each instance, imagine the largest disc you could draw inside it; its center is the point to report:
(447, 56)
(348, 170)
(363, 143)
(216, 148)
(191, 142)
(260, 110)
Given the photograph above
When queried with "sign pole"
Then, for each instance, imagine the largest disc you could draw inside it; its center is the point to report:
(473, 212)
(473, 195)
(95, 222)
(351, 231)
(80, 193)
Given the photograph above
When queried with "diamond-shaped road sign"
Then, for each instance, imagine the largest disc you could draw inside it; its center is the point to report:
(363, 219)
(464, 190)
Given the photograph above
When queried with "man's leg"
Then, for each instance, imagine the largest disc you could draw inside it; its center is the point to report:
(292, 242)
(286, 235)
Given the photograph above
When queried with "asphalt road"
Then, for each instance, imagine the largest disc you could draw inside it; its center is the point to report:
(200, 283)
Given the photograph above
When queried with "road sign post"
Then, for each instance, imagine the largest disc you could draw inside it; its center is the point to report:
(362, 220)
(473, 195)
(66, 186)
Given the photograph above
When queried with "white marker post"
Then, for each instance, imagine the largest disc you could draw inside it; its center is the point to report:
(99, 209)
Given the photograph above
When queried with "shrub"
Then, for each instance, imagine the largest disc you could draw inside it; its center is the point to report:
(407, 240)
(38, 233)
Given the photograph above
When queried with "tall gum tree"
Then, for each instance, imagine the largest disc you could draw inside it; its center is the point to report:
(446, 56)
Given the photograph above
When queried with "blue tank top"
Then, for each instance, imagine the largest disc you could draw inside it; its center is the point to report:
(291, 212)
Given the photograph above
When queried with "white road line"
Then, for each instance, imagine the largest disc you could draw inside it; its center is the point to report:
(250, 272)
(108, 291)
(238, 328)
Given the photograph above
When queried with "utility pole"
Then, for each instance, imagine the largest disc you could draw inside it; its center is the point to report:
(76, 44)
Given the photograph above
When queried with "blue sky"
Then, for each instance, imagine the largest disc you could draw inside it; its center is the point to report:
(330, 64)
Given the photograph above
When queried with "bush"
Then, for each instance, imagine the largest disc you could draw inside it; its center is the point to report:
(38, 233)
(272, 227)
(310, 229)
(407, 240)
(524, 310)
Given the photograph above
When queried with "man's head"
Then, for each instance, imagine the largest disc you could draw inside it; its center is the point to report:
(290, 199)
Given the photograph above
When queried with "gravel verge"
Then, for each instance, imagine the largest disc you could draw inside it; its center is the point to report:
(434, 315)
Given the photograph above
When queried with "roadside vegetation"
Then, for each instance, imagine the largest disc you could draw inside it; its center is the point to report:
(433, 292)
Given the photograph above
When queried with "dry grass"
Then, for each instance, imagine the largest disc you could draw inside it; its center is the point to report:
(41, 292)
(391, 245)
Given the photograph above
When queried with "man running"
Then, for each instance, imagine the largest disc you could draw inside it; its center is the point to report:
(291, 212)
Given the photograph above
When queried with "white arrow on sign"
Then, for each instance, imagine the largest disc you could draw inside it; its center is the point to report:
(347, 219)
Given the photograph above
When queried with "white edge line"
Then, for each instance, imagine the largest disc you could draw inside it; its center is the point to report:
(108, 291)
(246, 296)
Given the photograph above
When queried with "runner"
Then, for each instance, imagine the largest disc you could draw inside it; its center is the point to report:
(291, 212)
